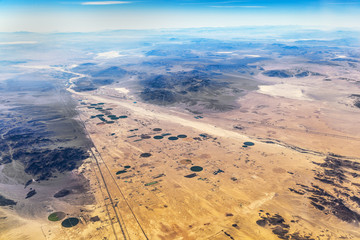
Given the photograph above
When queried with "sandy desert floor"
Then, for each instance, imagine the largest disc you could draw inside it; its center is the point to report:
(145, 188)
(296, 176)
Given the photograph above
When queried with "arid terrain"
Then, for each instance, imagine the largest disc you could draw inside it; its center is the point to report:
(225, 145)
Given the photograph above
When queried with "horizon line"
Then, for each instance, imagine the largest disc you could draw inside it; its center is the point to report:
(305, 27)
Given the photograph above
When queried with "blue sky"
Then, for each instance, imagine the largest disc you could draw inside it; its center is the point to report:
(94, 15)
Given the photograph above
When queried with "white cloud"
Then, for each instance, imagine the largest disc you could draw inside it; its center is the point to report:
(18, 42)
(105, 3)
(252, 56)
(108, 55)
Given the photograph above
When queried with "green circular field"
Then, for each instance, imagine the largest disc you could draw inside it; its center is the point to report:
(173, 138)
(158, 137)
(56, 216)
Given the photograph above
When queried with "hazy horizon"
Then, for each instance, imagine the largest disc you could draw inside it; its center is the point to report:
(90, 16)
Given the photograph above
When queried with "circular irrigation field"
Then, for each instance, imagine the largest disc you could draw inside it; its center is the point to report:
(249, 144)
(145, 155)
(70, 222)
(196, 169)
(182, 136)
(56, 216)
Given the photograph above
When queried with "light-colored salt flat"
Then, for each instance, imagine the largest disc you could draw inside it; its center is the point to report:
(284, 90)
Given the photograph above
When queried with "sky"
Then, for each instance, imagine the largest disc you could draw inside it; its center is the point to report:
(90, 15)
